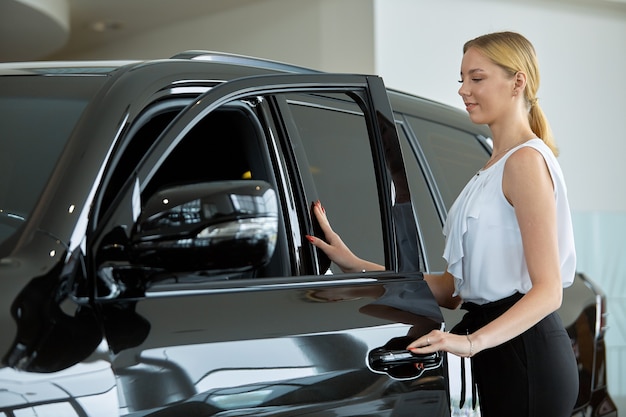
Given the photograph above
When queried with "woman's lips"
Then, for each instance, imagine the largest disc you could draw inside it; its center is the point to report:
(470, 106)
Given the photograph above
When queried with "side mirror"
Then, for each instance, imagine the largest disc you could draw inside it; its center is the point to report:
(227, 225)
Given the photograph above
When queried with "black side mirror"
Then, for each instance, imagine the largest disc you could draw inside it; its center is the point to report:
(227, 225)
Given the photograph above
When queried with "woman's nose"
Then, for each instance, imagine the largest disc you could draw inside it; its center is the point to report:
(463, 91)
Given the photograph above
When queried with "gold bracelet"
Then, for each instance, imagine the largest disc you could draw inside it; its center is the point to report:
(471, 352)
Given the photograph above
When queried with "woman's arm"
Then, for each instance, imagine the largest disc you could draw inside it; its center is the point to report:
(441, 285)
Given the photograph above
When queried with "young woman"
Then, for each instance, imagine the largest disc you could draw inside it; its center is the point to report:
(509, 244)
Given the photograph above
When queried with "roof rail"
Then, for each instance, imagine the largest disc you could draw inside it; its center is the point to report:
(227, 58)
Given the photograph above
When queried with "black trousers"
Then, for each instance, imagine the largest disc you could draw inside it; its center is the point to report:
(532, 375)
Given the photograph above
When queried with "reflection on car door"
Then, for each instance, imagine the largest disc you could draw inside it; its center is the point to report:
(281, 339)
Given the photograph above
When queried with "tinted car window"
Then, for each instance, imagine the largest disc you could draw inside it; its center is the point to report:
(338, 156)
(454, 156)
(144, 133)
(225, 145)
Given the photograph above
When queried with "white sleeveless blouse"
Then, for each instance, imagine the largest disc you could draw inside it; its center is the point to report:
(483, 240)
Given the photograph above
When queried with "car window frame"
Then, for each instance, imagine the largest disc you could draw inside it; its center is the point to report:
(384, 182)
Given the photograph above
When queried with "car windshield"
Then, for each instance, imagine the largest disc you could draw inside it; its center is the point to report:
(37, 116)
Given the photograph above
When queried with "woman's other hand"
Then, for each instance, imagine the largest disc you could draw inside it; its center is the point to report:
(332, 245)
(437, 340)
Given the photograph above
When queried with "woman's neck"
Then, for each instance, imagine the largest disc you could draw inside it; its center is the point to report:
(509, 135)
(506, 138)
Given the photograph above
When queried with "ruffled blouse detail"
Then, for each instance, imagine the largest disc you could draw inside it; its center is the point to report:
(466, 206)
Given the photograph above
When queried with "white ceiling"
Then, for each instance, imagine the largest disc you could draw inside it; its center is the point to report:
(36, 30)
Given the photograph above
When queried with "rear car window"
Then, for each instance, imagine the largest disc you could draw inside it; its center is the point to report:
(454, 156)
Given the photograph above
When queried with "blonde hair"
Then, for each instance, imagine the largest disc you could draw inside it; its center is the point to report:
(513, 52)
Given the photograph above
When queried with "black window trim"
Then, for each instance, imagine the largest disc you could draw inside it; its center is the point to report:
(423, 258)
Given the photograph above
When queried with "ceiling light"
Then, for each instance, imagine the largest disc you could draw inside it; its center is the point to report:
(106, 26)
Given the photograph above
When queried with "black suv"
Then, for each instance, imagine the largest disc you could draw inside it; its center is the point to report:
(153, 259)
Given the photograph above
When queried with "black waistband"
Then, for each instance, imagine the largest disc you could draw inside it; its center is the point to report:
(505, 303)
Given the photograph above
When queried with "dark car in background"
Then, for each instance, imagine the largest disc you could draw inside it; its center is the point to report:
(153, 259)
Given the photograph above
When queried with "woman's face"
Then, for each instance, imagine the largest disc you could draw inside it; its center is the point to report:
(487, 90)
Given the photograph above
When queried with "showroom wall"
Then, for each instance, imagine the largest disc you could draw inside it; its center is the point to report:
(416, 46)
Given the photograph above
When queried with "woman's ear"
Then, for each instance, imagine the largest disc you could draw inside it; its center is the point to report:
(520, 82)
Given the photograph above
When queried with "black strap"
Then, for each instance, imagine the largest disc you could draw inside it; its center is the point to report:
(462, 402)
(474, 395)
(463, 384)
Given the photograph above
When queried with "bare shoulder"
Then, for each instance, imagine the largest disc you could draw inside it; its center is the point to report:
(526, 173)
(526, 156)
(526, 163)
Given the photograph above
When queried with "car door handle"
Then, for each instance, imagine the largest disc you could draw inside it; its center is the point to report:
(401, 363)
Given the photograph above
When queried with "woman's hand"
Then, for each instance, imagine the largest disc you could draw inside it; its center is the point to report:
(436, 340)
(334, 248)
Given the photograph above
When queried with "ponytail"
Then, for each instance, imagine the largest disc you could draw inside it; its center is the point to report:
(540, 126)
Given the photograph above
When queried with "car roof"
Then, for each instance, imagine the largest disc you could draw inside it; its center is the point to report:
(106, 66)
(61, 67)
(224, 65)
